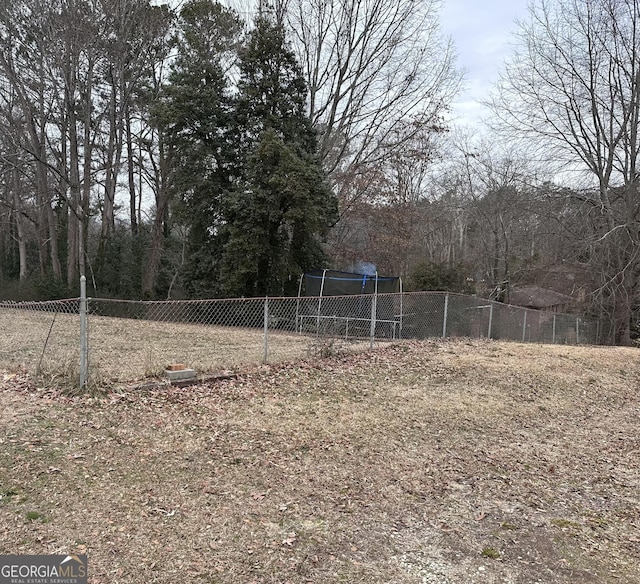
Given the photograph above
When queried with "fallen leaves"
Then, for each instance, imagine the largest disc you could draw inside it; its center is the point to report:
(290, 539)
(368, 467)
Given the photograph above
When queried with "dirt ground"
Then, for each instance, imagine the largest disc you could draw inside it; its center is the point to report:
(453, 462)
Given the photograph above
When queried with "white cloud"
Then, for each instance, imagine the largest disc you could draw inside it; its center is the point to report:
(482, 33)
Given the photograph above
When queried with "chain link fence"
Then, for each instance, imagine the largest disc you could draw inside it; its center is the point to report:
(131, 340)
(40, 337)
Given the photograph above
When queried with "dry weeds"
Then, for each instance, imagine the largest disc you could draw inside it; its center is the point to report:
(432, 462)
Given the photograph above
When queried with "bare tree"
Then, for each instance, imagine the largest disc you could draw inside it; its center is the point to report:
(371, 67)
(27, 110)
(138, 43)
(72, 71)
(573, 85)
(16, 201)
(387, 226)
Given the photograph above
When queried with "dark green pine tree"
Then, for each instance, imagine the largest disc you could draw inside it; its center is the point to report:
(282, 206)
(196, 116)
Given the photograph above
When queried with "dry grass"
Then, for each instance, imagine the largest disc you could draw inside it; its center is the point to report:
(433, 462)
(122, 350)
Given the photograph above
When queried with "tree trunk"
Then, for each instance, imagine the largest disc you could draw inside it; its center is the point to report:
(19, 220)
(54, 252)
(133, 217)
(74, 234)
(622, 318)
(111, 170)
(150, 275)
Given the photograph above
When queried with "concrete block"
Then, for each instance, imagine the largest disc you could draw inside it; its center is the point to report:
(179, 374)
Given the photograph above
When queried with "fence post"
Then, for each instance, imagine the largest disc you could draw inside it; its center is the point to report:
(324, 272)
(265, 334)
(490, 320)
(444, 319)
(524, 326)
(578, 331)
(83, 332)
(298, 322)
(553, 334)
(401, 303)
(374, 309)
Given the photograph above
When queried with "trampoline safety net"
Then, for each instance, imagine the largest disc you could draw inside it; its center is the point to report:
(335, 283)
(350, 304)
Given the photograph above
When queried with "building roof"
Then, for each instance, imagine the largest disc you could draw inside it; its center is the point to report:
(533, 296)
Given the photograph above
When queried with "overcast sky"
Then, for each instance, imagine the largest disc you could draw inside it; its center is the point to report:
(482, 33)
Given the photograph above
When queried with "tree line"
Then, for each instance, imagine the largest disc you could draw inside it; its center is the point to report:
(203, 152)
(154, 149)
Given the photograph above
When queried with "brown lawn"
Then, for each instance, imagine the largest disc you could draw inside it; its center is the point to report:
(456, 462)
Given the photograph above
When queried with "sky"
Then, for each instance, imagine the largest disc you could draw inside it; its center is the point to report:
(482, 34)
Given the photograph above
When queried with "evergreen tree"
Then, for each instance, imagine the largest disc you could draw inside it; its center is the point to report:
(281, 206)
(196, 117)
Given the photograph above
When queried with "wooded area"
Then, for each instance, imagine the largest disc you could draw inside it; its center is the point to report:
(201, 151)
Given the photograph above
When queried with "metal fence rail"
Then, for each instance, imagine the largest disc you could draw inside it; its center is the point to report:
(128, 340)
